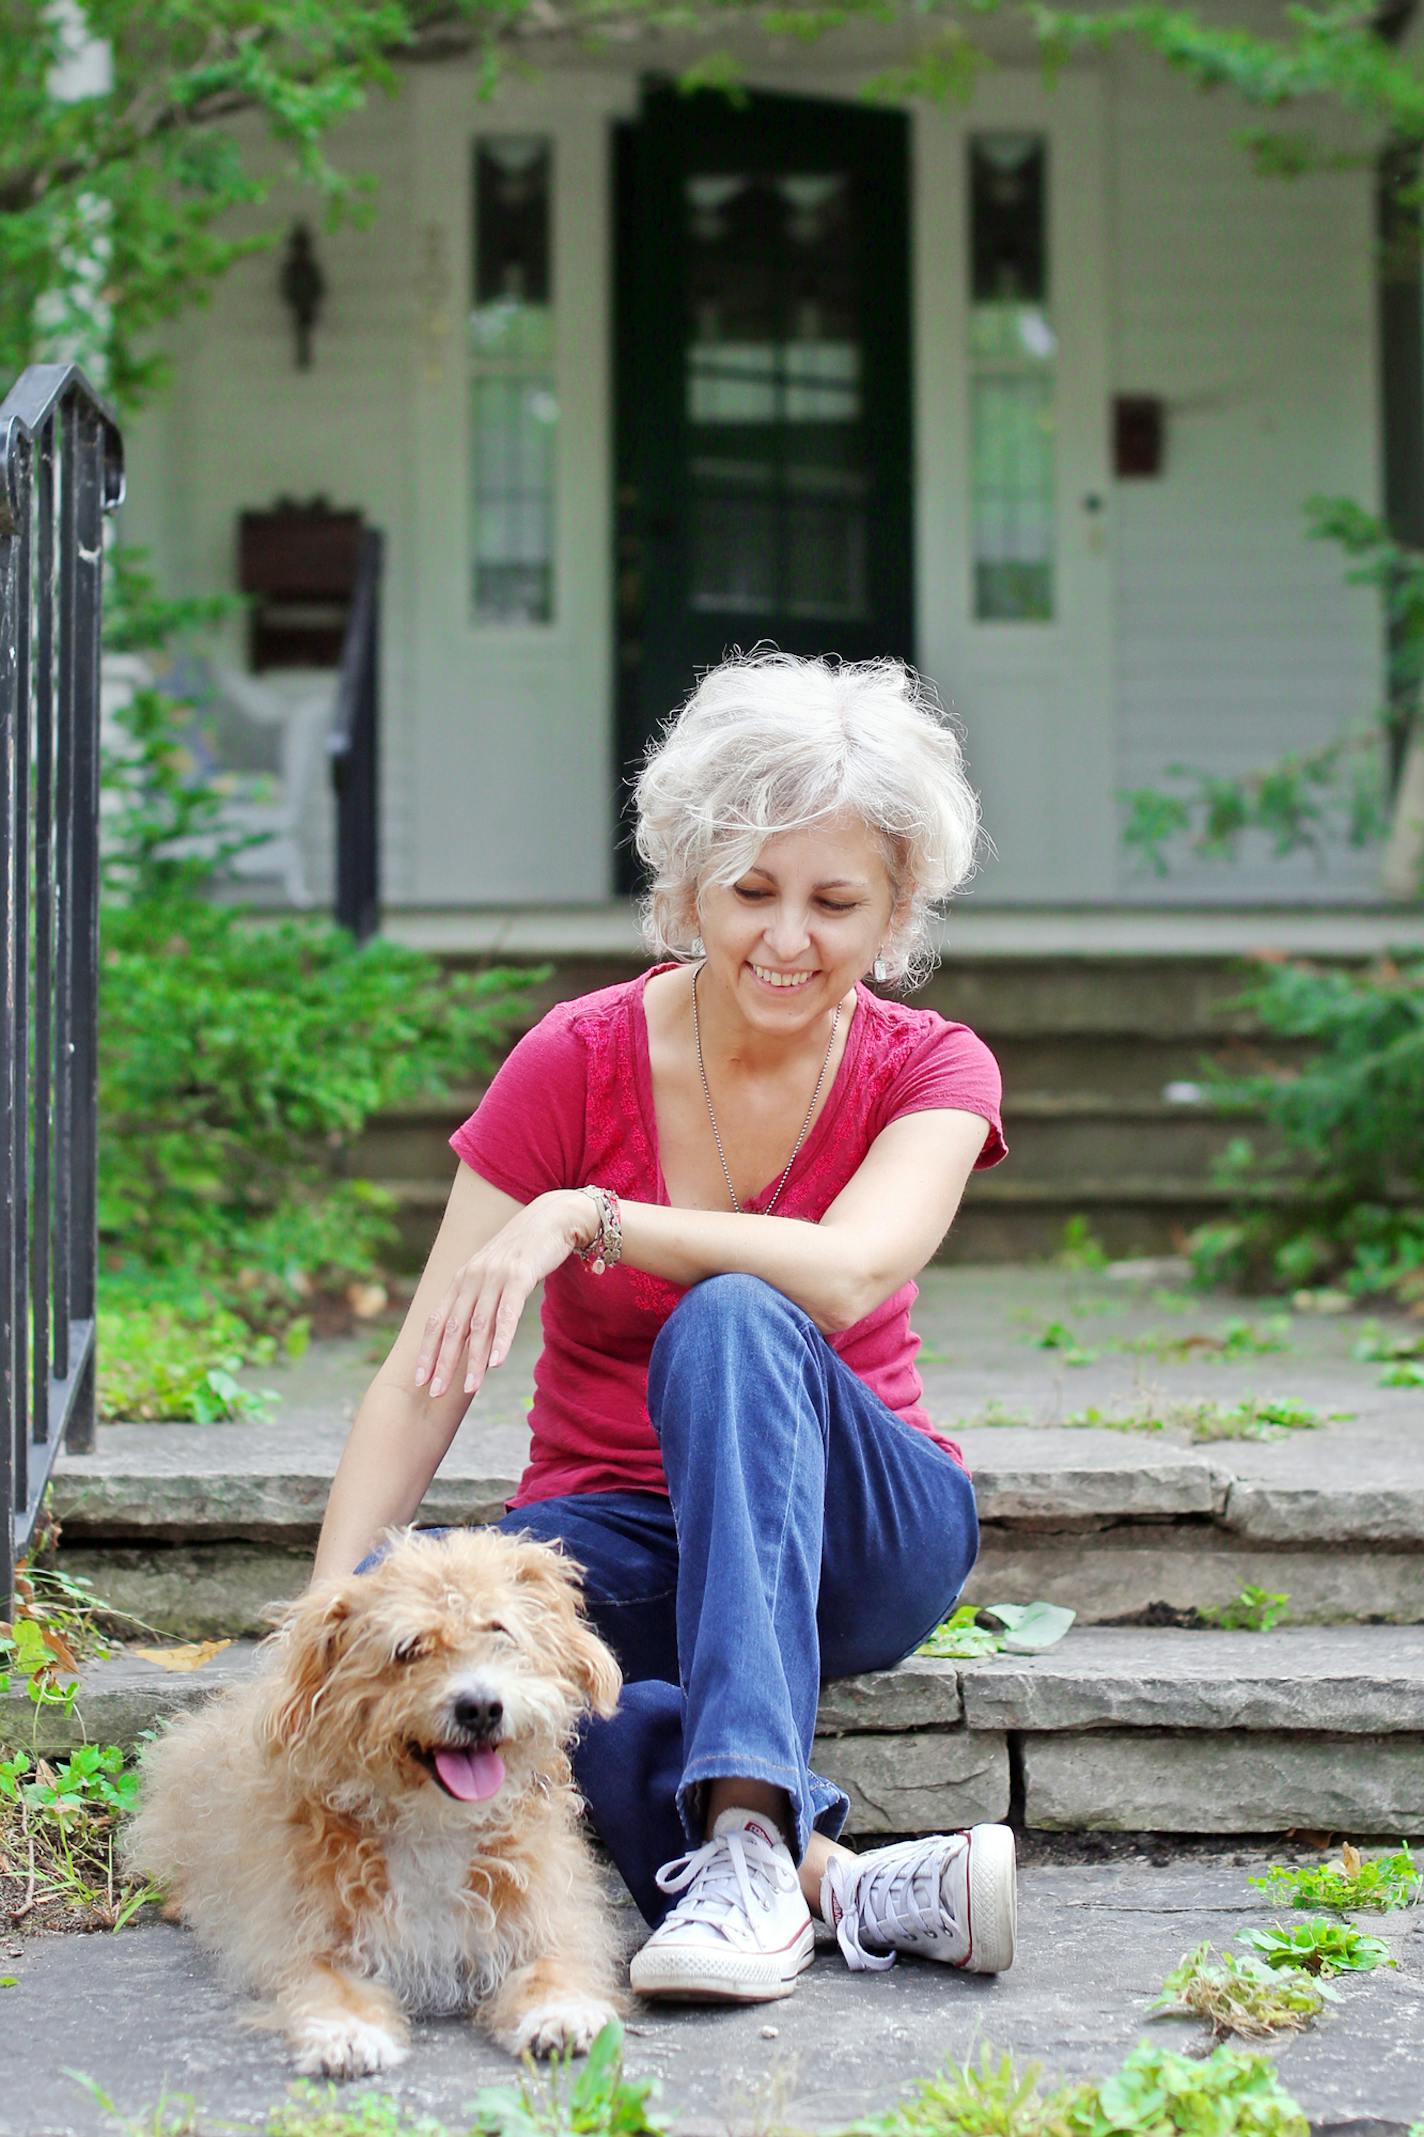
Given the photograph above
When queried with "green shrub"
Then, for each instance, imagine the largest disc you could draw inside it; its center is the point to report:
(239, 1062)
(1350, 1123)
(240, 1058)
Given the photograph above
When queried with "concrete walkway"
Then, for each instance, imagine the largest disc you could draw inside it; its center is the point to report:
(144, 2014)
(144, 2011)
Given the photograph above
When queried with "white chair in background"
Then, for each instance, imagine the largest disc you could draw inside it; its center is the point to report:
(284, 716)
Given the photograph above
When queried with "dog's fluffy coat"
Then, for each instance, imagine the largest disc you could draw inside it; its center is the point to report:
(298, 1825)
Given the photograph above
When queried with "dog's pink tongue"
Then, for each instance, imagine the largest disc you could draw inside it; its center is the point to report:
(470, 1775)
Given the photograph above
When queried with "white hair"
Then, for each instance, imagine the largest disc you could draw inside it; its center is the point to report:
(770, 742)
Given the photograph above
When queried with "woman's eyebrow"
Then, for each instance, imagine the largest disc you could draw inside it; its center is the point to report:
(835, 883)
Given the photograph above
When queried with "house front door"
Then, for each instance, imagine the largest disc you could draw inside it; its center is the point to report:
(762, 330)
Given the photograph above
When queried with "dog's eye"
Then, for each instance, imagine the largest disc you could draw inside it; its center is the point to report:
(502, 1631)
(411, 1648)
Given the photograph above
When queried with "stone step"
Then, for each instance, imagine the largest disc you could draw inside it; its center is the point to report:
(1011, 1217)
(1114, 1729)
(1177, 998)
(196, 1529)
(1058, 1139)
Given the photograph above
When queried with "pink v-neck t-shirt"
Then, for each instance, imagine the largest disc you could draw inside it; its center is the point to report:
(573, 1102)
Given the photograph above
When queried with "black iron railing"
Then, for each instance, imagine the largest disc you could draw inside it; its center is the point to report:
(61, 470)
(353, 745)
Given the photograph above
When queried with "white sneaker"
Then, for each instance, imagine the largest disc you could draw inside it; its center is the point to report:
(951, 1897)
(742, 1932)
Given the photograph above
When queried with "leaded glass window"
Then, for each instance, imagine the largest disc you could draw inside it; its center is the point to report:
(778, 489)
(514, 409)
(1012, 362)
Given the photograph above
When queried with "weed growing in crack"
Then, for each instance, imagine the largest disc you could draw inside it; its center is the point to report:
(1242, 1995)
(1377, 1883)
(1154, 2093)
(1235, 1338)
(1254, 1417)
(1318, 1947)
(1253, 1610)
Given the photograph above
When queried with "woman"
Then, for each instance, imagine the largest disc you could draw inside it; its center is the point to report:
(727, 1173)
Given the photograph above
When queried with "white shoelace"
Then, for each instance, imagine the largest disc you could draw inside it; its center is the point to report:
(894, 1900)
(727, 1876)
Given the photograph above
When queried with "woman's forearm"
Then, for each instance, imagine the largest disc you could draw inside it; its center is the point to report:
(811, 1263)
(398, 1441)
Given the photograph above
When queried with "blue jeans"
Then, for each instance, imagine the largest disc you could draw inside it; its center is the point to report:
(808, 1533)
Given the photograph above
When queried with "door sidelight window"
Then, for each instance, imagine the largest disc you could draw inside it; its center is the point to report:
(1012, 365)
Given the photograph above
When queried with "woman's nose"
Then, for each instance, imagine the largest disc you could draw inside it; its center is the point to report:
(787, 935)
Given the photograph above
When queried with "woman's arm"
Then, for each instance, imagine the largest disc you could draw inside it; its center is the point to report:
(400, 1437)
(879, 1232)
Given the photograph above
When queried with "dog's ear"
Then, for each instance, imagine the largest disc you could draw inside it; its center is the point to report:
(309, 1638)
(555, 1581)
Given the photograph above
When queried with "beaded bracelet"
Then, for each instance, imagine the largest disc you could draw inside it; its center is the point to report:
(605, 1249)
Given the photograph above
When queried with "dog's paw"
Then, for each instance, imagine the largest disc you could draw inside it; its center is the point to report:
(346, 2048)
(571, 2023)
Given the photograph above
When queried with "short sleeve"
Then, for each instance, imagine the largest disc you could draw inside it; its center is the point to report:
(526, 1134)
(951, 1068)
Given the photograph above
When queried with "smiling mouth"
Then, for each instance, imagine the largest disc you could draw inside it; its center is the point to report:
(468, 1773)
(783, 982)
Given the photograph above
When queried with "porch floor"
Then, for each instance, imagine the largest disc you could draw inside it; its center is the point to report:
(973, 931)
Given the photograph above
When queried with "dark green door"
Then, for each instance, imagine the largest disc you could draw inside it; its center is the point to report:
(763, 367)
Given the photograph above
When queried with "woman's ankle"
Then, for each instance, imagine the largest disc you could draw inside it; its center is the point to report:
(761, 1797)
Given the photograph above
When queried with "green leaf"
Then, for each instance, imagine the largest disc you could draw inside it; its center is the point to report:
(1029, 1628)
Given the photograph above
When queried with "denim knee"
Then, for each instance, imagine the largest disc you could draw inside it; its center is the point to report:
(718, 1303)
(717, 1307)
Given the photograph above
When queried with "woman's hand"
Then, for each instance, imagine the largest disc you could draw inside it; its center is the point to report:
(480, 1312)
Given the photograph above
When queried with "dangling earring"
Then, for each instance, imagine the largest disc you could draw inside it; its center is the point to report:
(880, 972)
(699, 948)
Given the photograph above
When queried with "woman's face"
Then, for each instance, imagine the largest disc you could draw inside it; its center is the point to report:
(794, 933)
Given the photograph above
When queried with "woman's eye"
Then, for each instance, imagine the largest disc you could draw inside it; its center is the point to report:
(754, 897)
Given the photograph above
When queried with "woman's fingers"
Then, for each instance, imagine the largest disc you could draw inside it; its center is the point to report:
(493, 1333)
(479, 1317)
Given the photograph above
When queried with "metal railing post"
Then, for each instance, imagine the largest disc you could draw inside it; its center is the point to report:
(61, 470)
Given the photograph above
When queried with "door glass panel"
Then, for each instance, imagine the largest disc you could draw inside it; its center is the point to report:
(513, 404)
(1012, 352)
(778, 482)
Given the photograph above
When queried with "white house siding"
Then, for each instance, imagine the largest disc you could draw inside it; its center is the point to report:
(1248, 304)
(242, 425)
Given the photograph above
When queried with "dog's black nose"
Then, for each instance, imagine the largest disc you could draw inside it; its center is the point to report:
(478, 1716)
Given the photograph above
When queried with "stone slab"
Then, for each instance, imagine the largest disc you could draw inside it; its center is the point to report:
(1071, 1479)
(193, 1591)
(120, 1697)
(1095, 1941)
(1177, 1781)
(921, 1782)
(1384, 1509)
(283, 1504)
(1365, 1680)
(922, 1693)
(1118, 1572)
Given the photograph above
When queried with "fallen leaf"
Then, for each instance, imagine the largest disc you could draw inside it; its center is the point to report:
(191, 1656)
(1351, 1857)
(59, 1647)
